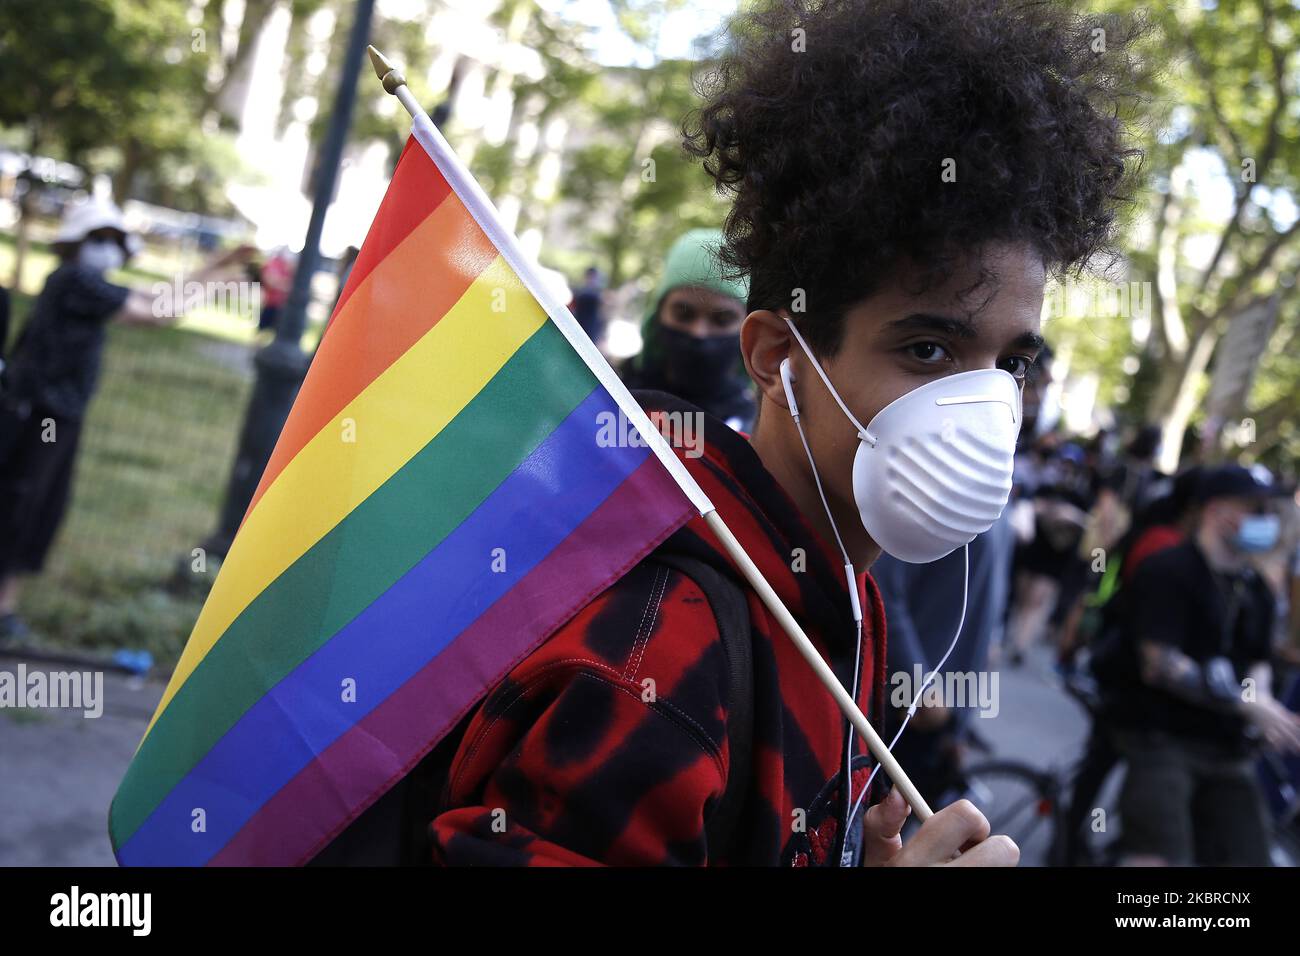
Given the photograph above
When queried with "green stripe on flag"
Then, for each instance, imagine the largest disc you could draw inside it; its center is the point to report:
(374, 546)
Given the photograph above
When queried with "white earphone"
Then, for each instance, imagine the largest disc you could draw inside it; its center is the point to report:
(787, 379)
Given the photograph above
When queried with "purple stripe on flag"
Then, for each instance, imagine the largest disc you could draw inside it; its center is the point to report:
(332, 790)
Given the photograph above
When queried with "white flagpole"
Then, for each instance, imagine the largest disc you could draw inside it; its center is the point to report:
(485, 213)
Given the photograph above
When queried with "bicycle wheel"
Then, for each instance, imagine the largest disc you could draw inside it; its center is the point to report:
(1097, 820)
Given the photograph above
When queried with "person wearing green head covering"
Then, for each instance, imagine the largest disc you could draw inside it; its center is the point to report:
(691, 333)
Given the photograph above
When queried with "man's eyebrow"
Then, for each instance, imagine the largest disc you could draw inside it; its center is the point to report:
(963, 329)
(926, 322)
(1028, 340)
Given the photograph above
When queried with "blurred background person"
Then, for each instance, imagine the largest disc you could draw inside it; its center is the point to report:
(1291, 648)
(1163, 523)
(4, 326)
(1134, 480)
(1060, 497)
(1125, 486)
(343, 272)
(49, 383)
(588, 304)
(691, 333)
(276, 280)
(1197, 623)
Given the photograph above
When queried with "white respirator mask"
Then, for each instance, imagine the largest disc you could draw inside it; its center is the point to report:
(933, 468)
(932, 471)
(101, 255)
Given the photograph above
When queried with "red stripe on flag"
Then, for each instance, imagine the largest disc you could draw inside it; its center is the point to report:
(417, 188)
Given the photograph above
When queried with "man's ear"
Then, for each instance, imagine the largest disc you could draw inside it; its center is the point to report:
(765, 341)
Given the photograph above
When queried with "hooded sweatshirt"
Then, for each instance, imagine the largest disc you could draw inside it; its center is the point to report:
(693, 262)
(608, 743)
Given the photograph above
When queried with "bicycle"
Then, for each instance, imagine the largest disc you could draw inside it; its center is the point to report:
(1033, 805)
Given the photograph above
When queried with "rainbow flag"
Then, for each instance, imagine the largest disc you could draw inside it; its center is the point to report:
(439, 502)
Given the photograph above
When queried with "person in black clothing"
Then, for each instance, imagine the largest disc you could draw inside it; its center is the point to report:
(49, 383)
(691, 332)
(4, 325)
(1124, 488)
(1048, 563)
(1160, 524)
(587, 304)
(1134, 480)
(1198, 622)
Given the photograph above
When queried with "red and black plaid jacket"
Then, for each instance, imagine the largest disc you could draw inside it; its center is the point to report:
(570, 761)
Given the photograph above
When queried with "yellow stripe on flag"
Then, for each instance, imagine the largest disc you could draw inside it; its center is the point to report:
(410, 295)
(399, 413)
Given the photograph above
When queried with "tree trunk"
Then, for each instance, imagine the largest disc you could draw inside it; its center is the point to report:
(256, 13)
(1185, 377)
(21, 241)
(22, 238)
(132, 157)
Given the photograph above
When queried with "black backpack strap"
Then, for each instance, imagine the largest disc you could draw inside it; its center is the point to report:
(731, 611)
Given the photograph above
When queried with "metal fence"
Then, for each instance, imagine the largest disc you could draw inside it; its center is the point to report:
(156, 450)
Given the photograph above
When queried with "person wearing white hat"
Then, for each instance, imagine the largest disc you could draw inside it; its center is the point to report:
(96, 232)
(50, 380)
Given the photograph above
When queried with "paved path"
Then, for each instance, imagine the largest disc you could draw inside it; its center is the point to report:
(59, 770)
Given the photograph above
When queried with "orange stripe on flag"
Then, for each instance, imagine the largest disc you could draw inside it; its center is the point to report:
(417, 189)
(402, 299)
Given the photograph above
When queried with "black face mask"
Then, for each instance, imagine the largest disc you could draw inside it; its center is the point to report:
(698, 366)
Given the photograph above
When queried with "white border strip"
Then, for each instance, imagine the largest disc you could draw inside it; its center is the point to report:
(481, 208)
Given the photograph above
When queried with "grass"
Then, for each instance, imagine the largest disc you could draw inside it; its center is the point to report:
(156, 448)
(155, 455)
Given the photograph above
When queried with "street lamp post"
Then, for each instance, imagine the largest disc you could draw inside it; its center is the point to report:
(281, 365)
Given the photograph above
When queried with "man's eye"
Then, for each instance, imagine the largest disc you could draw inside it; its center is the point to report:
(928, 352)
(1018, 366)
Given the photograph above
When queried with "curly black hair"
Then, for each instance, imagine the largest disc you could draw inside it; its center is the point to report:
(831, 121)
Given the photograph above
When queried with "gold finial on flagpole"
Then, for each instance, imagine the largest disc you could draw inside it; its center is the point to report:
(394, 81)
(388, 74)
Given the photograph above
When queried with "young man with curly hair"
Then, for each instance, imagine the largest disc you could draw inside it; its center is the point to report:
(905, 175)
